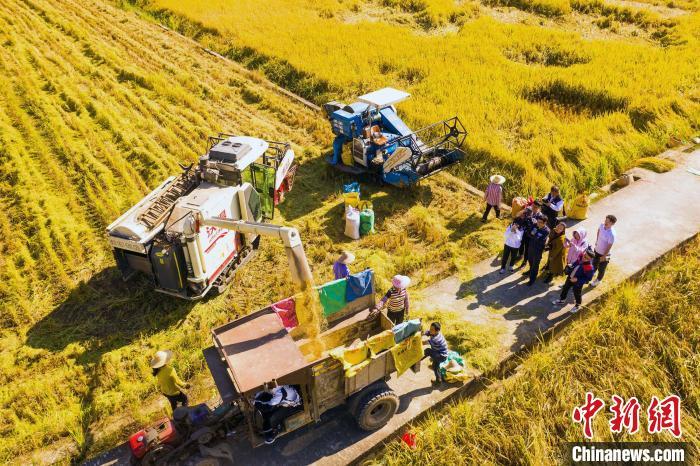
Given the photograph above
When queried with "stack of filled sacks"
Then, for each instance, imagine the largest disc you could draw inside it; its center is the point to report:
(404, 342)
(359, 216)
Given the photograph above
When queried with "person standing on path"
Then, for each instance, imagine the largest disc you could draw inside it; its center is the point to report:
(493, 196)
(340, 267)
(437, 351)
(396, 299)
(513, 239)
(552, 205)
(537, 239)
(603, 244)
(580, 275)
(168, 382)
(527, 220)
(577, 245)
(557, 252)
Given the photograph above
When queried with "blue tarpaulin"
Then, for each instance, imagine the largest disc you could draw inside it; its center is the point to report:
(405, 329)
(359, 285)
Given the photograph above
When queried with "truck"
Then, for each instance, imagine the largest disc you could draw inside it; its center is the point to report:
(238, 177)
(371, 139)
(257, 351)
(270, 348)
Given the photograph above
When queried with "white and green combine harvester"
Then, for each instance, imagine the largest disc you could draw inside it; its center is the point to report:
(194, 231)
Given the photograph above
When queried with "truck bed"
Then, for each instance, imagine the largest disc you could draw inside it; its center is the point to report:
(259, 348)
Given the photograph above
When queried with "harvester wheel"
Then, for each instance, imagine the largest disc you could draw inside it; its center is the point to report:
(376, 408)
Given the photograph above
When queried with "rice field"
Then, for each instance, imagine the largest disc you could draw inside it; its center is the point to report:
(97, 107)
(641, 341)
(551, 91)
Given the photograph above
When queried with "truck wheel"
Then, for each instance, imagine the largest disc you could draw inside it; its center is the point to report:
(376, 408)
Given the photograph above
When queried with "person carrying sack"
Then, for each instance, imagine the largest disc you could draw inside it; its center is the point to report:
(169, 384)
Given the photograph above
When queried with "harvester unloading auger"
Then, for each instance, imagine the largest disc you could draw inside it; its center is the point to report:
(194, 231)
(382, 145)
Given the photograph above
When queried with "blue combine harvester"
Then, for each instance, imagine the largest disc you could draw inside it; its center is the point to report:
(380, 144)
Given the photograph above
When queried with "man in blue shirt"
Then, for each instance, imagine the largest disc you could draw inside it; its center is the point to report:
(437, 351)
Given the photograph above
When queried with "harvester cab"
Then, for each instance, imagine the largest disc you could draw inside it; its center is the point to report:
(370, 138)
(165, 235)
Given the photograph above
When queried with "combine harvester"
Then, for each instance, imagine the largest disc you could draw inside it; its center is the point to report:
(383, 146)
(169, 234)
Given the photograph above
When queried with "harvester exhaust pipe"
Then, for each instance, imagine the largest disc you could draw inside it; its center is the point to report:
(298, 264)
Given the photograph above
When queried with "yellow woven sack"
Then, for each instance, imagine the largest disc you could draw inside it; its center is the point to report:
(356, 355)
(362, 205)
(350, 356)
(578, 210)
(346, 157)
(517, 205)
(407, 353)
(351, 199)
(380, 342)
(353, 359)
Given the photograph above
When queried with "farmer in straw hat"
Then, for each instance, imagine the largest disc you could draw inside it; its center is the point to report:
(396, 299)
(493, 196)
(168, 382)
(340, 267)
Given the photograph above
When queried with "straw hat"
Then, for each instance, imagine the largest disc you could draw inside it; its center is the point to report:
(400, 281)
(498, 179)
(161, 359)
(346, 258)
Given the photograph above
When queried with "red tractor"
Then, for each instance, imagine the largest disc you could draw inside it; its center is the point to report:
(193, 436)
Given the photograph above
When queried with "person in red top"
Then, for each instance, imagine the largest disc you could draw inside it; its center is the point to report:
(493, 196)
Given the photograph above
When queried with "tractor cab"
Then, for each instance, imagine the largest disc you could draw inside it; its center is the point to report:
(372, 138)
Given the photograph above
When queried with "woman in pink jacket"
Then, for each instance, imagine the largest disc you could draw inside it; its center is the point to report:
(577, 246)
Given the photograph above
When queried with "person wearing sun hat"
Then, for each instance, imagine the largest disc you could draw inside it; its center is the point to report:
(493, 196)
(340, 267)
(169, 384)
(396, 299)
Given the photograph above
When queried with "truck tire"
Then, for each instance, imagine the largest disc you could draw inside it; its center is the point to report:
(376, 408)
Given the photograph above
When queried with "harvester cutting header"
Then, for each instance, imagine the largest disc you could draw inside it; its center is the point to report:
(383, 146)
(192, 232)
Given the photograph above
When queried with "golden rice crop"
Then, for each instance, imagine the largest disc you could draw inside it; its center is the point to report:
(98, 107)
(576, 119)
(642, 341)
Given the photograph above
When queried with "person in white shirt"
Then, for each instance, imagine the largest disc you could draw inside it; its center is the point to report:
(603, 243)
(513, 239)
(552, 205)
